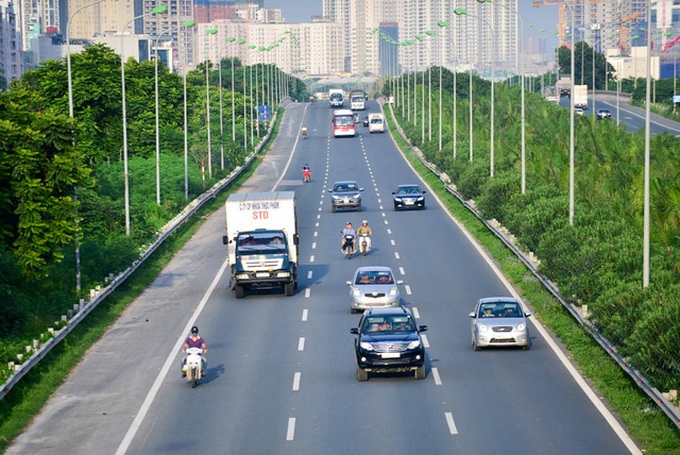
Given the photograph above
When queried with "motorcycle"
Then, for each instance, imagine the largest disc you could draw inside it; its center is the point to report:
(306, 175)
(348, 246)
(193, 367)
(304, 134)
(364, 243)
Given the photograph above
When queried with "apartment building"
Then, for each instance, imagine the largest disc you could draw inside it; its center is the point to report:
(10, 44)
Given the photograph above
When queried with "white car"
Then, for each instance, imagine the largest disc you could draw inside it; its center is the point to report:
(499, 321)
(373, 286)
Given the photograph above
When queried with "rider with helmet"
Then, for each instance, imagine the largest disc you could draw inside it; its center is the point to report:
(304, 132)
(365, 233)
(195, 341)
(306, 173)
(349, 230)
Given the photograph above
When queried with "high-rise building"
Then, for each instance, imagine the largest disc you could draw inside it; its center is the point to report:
(10, 45)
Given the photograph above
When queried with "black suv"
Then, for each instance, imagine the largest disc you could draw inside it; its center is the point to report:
(388, 340)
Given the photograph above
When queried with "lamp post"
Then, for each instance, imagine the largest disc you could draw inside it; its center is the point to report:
(156, 10)
(571, 121)
(646, 214)
(70, 113)
(208, 32)
(441, 24)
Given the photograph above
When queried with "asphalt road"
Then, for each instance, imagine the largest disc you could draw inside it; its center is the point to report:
(281, 377)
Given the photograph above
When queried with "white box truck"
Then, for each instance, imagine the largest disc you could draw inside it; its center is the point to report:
(376, 123)
(262, 241)
(581, 96)
(335, 98)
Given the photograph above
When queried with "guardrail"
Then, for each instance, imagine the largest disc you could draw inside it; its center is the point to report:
(642, 382)
(82, 309)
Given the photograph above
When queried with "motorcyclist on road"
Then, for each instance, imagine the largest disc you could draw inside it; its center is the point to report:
(195, 341)
(365, 230)
(304, 132)
(311, 99)
(349, 230)
(306, 172)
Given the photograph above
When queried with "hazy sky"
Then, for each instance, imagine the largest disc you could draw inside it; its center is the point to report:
(535, 19)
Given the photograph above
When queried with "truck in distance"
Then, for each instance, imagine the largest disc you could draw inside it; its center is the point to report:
(581, 96)
(335, 98)
(357, 99)
(262, 241)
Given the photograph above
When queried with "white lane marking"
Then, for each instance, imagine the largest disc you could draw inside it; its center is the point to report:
(380, 202)
(310, 274)
(396, 255)
(316, 233)
(386, 222)
(435, 376)
(316, 224)
(296, 381)
(389, 231)
(393, 242)
(290, 433)
(311, 258)
(416, 313)
(305, 312)
(451, 423)
(321, 201)
(307, 293)
(320, 209)
(408, 289)
(301, 344)
(314, 245)
(169, 362)
(401, 270)
(318, 217)
(426, 342)
(383, 214)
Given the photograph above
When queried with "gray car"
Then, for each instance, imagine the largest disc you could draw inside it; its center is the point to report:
(373, 286)
(345, 195)
(499, 321)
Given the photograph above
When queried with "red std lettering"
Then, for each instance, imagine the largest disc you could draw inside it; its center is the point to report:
(260, 215)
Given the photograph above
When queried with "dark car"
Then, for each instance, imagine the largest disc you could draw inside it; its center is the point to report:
(345, 195)
(603, 114)
(409, 197)
(388, 340)
(365, 120)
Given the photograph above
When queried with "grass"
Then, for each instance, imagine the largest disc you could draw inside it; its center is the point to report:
(645, 422)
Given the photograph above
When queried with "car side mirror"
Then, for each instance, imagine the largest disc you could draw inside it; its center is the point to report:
(424, 192)
(348, 283)
(361, 189)
(472, 315)
(330, 190)
(225, 240)
(422, 328)
(393, 192)
(296, 239)
(400, 281)
(527, 315)
(354, 330)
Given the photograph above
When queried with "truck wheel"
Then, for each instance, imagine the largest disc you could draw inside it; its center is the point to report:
(288, 289)
(240, 291)
(362, 375)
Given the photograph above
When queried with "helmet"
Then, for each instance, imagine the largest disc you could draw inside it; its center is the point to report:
(364, 222)
(349, 223)
(194, 330)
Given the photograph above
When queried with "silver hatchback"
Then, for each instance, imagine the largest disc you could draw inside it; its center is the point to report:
(499, 321)
(373, 286)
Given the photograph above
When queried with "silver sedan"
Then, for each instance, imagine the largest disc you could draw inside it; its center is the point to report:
(499, 321)
(373, 286)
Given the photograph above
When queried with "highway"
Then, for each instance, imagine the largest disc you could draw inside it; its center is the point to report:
(281, 377)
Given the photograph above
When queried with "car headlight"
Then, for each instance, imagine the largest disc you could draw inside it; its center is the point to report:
(482, 327)
(366, 346)
(414, 344)
(336, 197)
(521, 327)
(393, 291)
(356, 292)
(421, 198)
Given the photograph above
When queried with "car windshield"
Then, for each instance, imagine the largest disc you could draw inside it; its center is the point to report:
(374, 277)
(344, 120)
(255, 243)
(500, 310)
(345, 187)
(408, 190)
(376, 120)
(397, 323)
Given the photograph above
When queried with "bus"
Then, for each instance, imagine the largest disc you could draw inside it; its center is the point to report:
(357, 99)
(343, 123)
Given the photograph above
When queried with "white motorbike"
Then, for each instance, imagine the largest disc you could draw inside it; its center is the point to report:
(193, 367)
(364, 243)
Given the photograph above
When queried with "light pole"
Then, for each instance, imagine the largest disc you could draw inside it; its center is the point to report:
(646, 214)
(441, 24)
(156, 10)
(208, 32)
(571, 121)
(70, 114)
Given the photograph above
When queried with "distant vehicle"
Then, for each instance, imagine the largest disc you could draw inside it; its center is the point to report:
(376, 123)
(603, 114)
(551, 93)
(357, 99)
(408, 197)
(388, 340)
(345, 195)
(364, 120)
(373, 286)
(499, 321)
(335, 98)
(581, 96)
(356, 117)
(564, 85)
(343, 123)
(579, 111)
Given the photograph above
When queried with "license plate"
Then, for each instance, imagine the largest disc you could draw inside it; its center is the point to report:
(262, 275)
(409, 202)
(390, 355)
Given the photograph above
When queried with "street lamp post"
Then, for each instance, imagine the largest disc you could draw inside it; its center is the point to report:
(208, 32)
(156, 10)
(571, 121)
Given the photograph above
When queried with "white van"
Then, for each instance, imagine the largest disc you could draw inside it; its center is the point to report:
(376, 123)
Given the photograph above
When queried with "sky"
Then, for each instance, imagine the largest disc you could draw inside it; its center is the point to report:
(535, 19)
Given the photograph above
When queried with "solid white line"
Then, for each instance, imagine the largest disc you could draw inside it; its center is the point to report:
(290, 434)
(311, 258)
(169, 361)
(307, 293)
(426, 342)
(408, 289)
(451, 423)
(396, 255)
(309, 274)
(296, 381)
(435, 375)
(301, 344)
(401, 270)
(305, 312)
(416, 313)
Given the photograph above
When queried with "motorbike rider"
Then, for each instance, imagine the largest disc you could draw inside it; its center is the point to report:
(306, 172)
(365, 230)
(195, 341)
(304, 132)
(311, 99)
(349, 230)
